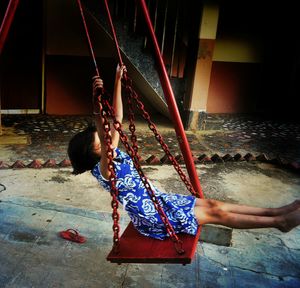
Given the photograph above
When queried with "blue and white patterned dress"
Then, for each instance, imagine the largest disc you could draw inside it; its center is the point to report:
(140, 208)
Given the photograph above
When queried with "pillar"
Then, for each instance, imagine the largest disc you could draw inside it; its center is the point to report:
(196, 102)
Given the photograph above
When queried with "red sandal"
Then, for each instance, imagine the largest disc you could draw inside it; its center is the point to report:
(72, 235)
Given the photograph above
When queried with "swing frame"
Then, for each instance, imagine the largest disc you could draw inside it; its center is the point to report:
(134, 247)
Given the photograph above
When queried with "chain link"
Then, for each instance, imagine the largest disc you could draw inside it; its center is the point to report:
(131, 117)
(112, 179)
(159, 138)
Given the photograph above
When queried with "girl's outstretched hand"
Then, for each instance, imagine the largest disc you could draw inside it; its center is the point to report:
(97, 86)
(121, 69)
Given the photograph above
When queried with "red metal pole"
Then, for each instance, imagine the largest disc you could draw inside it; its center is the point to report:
(6, 22)
(172, 106)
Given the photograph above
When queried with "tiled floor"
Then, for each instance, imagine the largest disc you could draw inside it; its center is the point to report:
(236, 134)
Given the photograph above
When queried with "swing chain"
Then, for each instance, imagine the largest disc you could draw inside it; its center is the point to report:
(112, 178)
(131, 117)
(118, 126)
(159, 138)
(179, 247)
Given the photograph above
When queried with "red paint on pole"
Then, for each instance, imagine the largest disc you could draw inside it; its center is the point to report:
(7, 21)
(172, 106)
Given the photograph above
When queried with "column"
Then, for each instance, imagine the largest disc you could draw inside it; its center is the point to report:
(196, 102)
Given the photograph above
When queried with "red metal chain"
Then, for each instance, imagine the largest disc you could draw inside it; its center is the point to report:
(131, 117)
(123, 137)
(159, 138)
(112, 178)
(108, 141)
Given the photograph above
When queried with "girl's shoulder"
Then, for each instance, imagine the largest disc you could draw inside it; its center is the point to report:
(119, 159)
(96, 172)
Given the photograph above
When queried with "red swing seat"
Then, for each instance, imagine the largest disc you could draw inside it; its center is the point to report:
(137, 248)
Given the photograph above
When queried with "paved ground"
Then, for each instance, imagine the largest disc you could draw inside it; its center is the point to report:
(49, 135)
(35, 204)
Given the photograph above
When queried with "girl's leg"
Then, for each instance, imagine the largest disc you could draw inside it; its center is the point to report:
(208, 215)
(248, 210)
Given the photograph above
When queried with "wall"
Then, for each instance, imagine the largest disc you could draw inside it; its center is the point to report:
(20, 63)
(234, 88)
(69, 83)
(256, 64)
(69, 67)
(235, 83)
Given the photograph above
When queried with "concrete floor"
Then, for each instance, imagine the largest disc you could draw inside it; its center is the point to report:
(35, 204)
(38, 203)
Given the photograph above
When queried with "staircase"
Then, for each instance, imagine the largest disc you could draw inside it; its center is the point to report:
(136, 49)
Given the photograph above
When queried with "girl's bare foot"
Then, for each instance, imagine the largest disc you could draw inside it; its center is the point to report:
(289, 221)
(287, 208)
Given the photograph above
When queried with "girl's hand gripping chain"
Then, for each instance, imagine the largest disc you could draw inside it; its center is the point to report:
(97, 92)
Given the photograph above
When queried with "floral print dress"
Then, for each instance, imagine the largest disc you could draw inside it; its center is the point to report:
(135, 199)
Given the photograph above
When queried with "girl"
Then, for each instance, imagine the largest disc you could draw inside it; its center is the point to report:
(87, 151)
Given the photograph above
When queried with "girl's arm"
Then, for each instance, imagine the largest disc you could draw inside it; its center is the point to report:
(118, 108)
(117, 103)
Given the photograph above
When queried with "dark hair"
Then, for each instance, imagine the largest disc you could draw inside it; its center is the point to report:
(80, 150)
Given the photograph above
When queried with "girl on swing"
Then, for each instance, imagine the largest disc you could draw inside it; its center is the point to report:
(87, 152)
